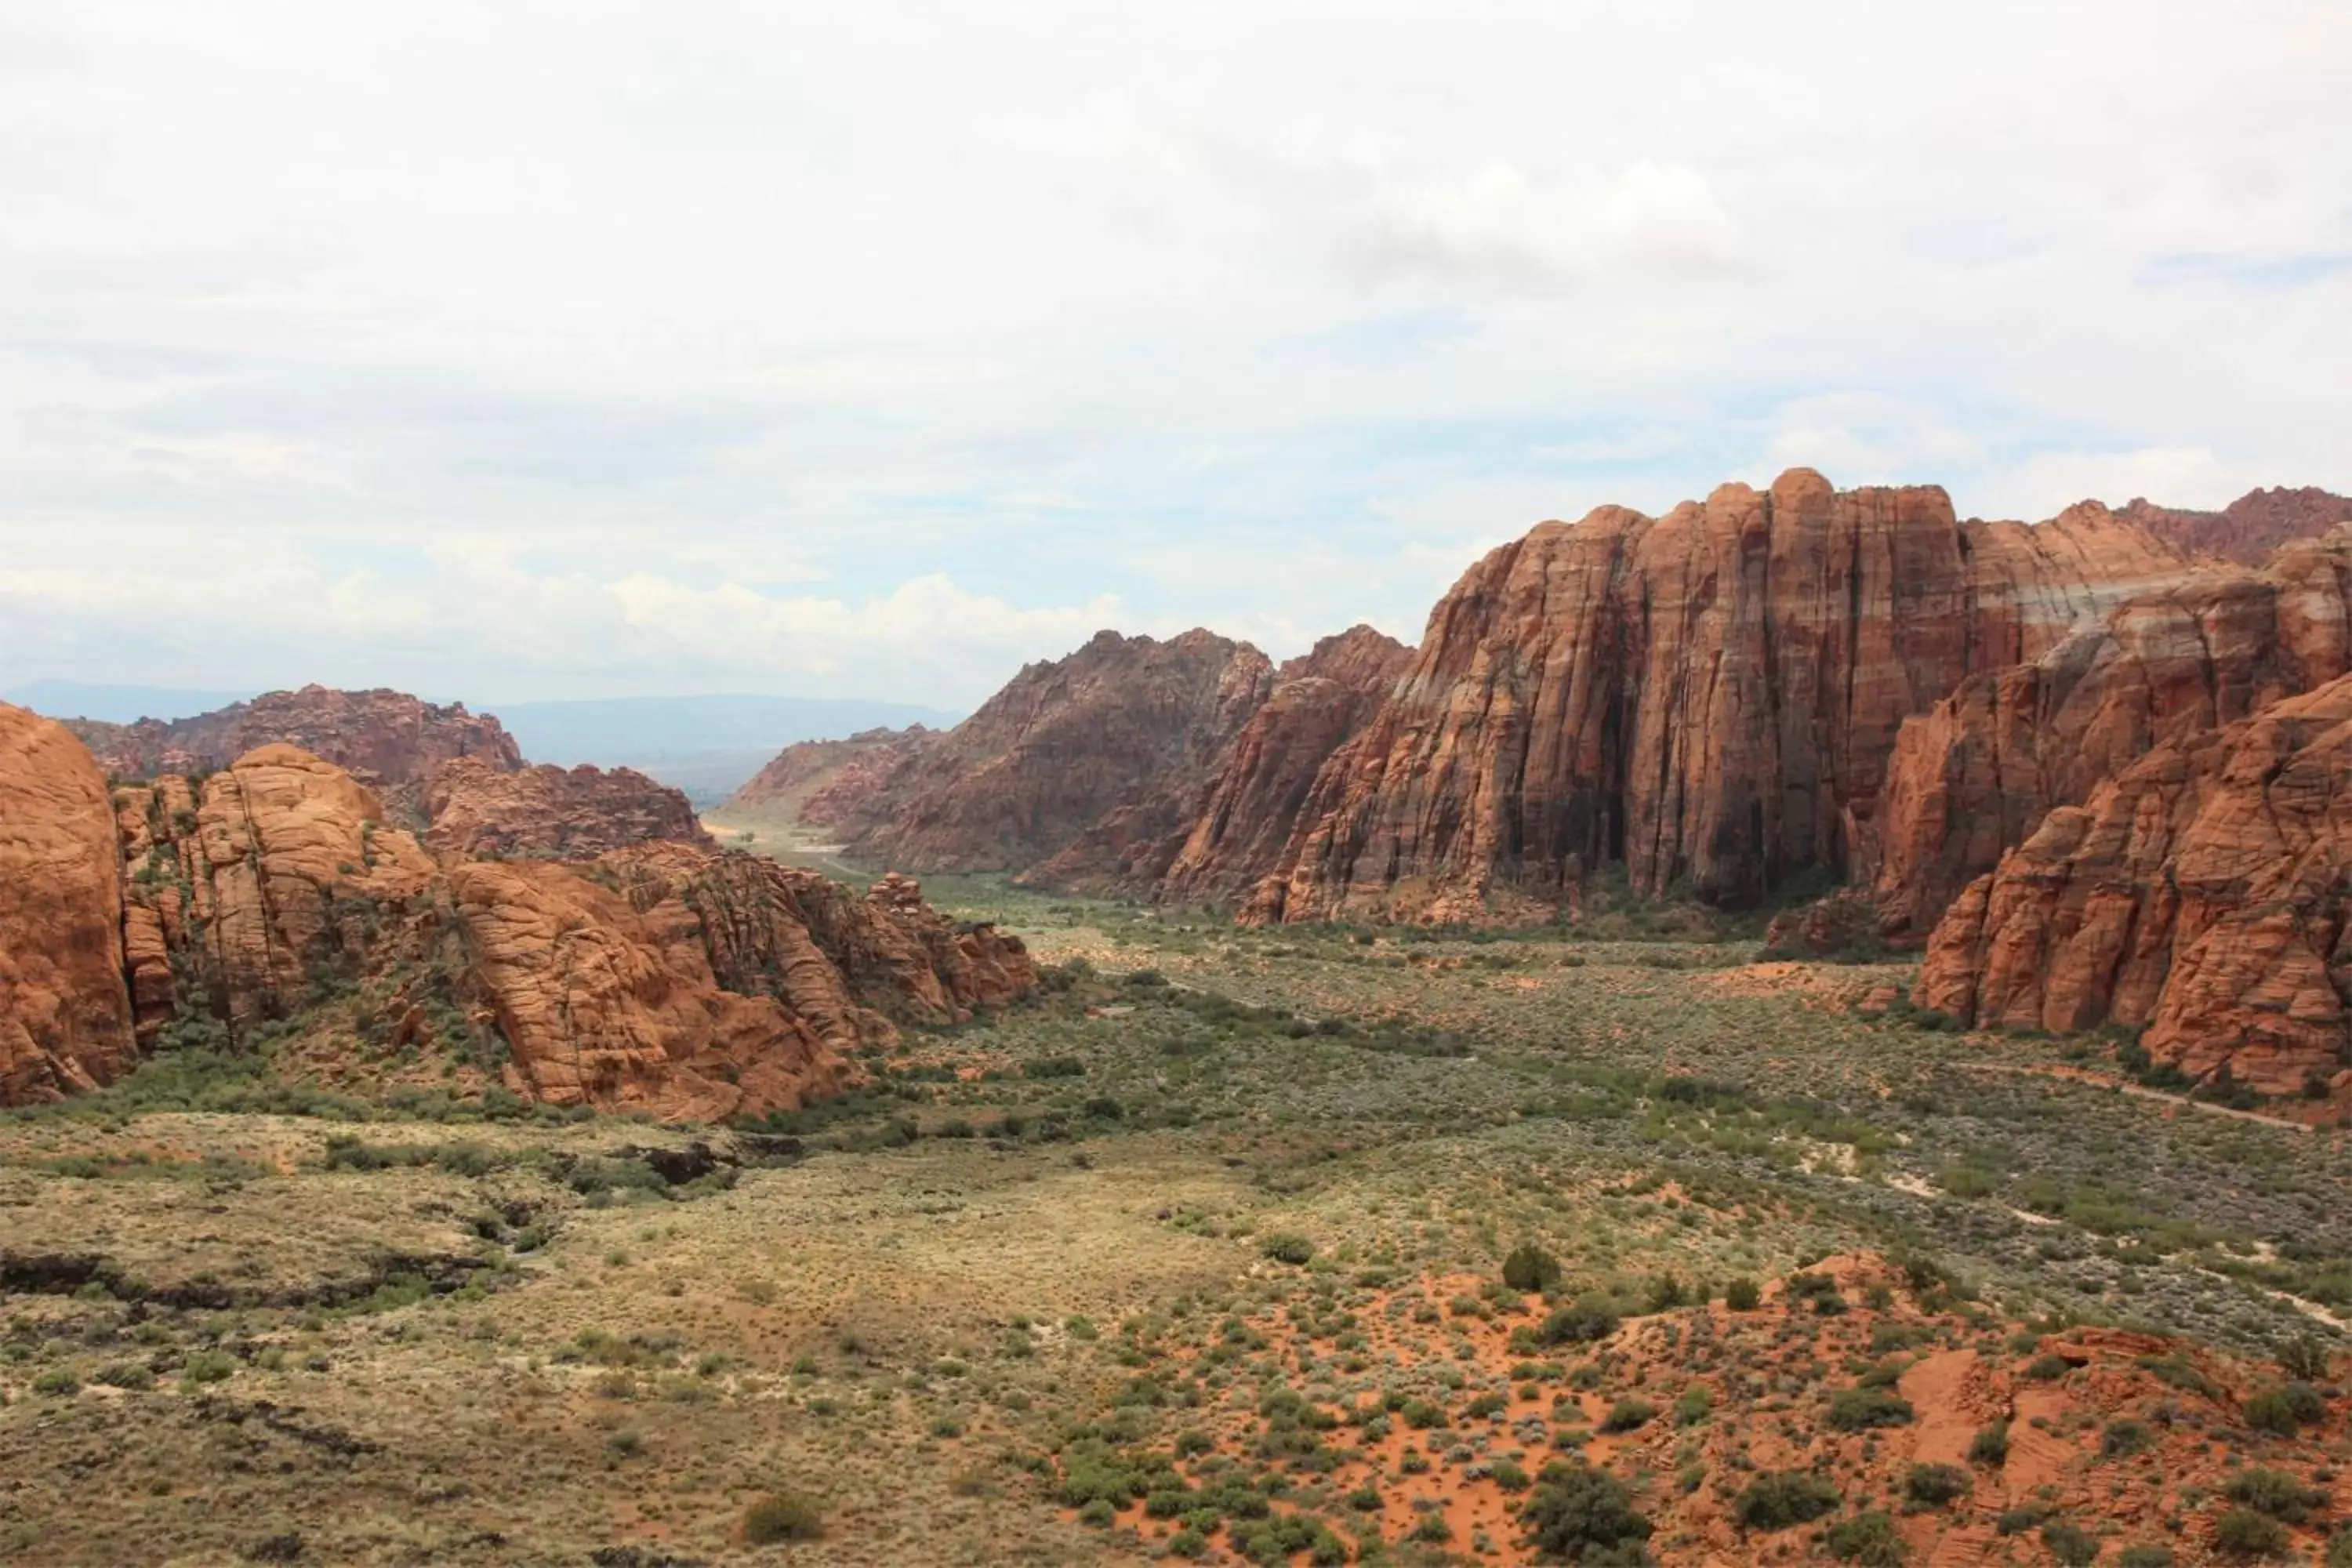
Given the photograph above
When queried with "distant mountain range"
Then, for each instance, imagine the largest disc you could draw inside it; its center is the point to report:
(707, 746)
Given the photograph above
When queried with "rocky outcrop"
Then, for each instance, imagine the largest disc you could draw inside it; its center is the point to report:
(271, 898)
(1710, 698)
(826, 783)
(1115, 741)
(65, 1012)
(2203, 892)
(1249, 811)
(577, 813)
(389, 741)
(2250, 529)
(1976, 775)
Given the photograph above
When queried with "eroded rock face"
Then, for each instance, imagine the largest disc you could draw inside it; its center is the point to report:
(1118, 738)
(1251, 809)
(578, 813)
(387, 739)
(2202, 891)
(1710, 698)
(2250, 529)
(1975, 774)
(65, 1012)
(826, 783)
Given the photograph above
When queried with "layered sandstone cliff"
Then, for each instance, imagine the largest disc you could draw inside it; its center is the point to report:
(387, 739)
(1976, 775)
(1250, 809)
(65, 1012)
(1710, 698)
(578, 813)
(1117, 739)
(2203, 892)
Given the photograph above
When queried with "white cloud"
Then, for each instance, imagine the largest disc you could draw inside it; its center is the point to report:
(543, 349)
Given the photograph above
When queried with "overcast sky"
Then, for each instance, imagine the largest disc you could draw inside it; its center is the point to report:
(524, 350)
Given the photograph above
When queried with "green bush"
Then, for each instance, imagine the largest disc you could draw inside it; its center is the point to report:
(1858, 1409)
(2071, 1545)
(57, 1383)
(2048, 1368)
(1932, 1486)
(1990, 1445)
(1629, 1414)
(2274, 1492)
(2145, 1557)
(1579, 1323)
(1780, 1498)
(1742, 1295)
(780, 1516)
(2244, 1533)
(2285, 1408)
(207, 1366)
(1284, 1248)
(1530, 1267)
(2125, 1436)
(1581, 1514)
(1867, 1538)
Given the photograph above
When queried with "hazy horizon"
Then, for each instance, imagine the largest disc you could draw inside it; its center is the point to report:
(584, 351)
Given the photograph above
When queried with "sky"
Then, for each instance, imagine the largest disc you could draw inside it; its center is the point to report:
(527, 351)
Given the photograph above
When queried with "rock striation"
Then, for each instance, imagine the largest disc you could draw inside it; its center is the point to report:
(2250, 529)
(387, 739)
(1976, 775)
(578, 813)
(65, 1010)
(1250, 810)
(2202, 893)
(1110, 744)
(1708, 697)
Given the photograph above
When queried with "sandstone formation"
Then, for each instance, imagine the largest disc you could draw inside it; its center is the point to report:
(1710, 698)
(578, 813)
(664, 976)
(2249, 529)
(1117, 738)
(826, 783)
(389, 741)
(1251, 808)
(2203, 892)
(1975, 774)
(65, 1014)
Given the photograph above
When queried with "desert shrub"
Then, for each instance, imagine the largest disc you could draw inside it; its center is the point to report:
(1693, 1407)
(1990, 1445)
(2070, 1544)
(1580, 1514)
(1858, 1409)
(1742, 1295)
(2285, 1408)
(2048, 1368)
(57, 1383)
(2148, 1556)
(1284, 1248)
(1867, 1538)
(1780, 1498)
(1629, 1414)
(2274, 1492)
(2339, 1548)
(1934, 1485)
(780, 1516)
(2125, 1436)
(2304, 1358)
(1577, 1323)
(1530, 1267)
(208, 1366)
(2245, 1532)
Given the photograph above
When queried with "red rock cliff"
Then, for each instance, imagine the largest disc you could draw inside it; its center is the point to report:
(1975, 774)
(2249, 529)
(65, 1013)
(826, 783)
(1710, 696)
(1118, 737)
(2204, 891)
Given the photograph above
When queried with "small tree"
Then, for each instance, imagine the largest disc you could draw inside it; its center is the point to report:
(1581, 1514)
(1530, 1267)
